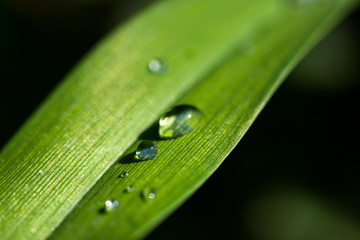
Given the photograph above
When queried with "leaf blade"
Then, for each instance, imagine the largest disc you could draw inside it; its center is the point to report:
(84, 126)
(192, 170)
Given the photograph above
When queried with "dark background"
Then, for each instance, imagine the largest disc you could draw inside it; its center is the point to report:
(295, 173)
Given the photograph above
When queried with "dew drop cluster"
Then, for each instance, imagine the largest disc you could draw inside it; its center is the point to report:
(175, 123)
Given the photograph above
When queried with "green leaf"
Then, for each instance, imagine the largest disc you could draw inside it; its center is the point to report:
(224, 57)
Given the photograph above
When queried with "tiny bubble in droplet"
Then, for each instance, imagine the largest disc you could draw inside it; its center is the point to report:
(156, 66)
(146, 150)
(124, 174)
(130, 189)
(111, 205)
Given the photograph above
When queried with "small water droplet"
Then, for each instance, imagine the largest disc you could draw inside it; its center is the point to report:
(179, 121)
(40, 171)
(124, 174)
(130, 189)
(148, 195)
(111, 205)
(146, 150)
(156, 66)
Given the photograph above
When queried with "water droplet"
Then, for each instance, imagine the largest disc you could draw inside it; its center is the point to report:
(130, 189)
(124, 174)
(148, 195)
(111, 205)
(146, 150)
(156, 66)
(179, 121)
(41, 172)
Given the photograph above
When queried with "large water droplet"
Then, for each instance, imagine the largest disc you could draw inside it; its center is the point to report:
(124, 174)
(111, 205)
(146, 150)
(148, 195)
(130, 189)
(179, 121)
(156, 66)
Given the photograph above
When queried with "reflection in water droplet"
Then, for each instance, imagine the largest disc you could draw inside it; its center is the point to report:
(179, 121)
(146, 150)
(130, 189)
(124, 174)
(148, 195)
(156, 66)
(111, 205)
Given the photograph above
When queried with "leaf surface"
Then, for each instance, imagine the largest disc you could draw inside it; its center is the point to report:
(224, 57)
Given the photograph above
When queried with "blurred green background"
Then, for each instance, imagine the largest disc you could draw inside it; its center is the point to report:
(294, 176)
